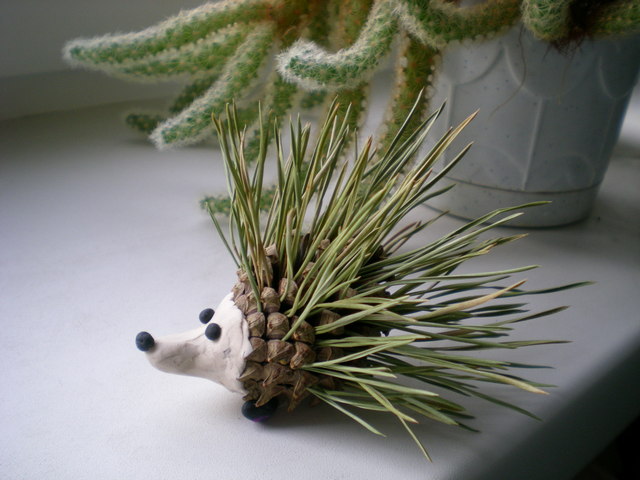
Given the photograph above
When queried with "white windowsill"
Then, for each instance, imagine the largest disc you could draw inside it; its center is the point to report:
(102, 237)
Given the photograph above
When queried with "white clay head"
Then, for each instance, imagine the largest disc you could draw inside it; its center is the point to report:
(215, 350)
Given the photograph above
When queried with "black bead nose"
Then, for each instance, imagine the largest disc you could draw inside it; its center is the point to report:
(213, 331)
(144, 341)
(206, 315)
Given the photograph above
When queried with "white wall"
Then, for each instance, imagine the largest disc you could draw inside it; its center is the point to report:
(33, 77)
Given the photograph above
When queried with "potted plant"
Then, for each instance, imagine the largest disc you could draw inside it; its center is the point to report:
(312, 47)
(551, 107)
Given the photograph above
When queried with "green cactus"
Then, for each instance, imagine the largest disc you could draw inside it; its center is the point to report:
(322, 48)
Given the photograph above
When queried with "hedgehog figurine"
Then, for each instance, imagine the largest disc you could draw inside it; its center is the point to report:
(330, 302)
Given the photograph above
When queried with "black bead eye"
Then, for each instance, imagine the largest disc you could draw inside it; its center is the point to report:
(213, 331)
(144, 341)
(206, 315)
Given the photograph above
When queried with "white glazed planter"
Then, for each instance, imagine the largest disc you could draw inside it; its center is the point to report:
(547, 123)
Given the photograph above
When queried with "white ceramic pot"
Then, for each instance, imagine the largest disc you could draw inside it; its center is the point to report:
(547, 125)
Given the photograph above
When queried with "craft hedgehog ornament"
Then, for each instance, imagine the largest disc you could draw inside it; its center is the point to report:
(329, 304)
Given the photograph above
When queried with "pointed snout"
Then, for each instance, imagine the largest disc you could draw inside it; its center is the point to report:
(145, 341)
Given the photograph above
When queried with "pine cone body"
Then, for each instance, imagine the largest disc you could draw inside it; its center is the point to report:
(274, 367)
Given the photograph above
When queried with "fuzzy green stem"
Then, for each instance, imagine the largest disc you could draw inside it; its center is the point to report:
(438, 22)
(195, 121)
(183, 29)
(313, 68)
